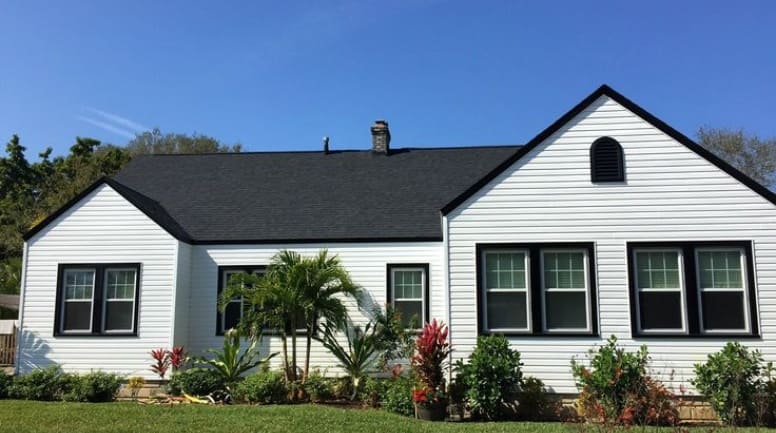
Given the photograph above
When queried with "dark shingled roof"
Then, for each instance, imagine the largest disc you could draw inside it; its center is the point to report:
(305, 196)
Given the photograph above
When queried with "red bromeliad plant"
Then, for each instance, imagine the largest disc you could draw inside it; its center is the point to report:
(162, 363)
(177, 357)
(429, 360)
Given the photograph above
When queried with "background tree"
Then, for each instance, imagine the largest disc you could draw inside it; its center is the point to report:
(155, 142)
(749, 153)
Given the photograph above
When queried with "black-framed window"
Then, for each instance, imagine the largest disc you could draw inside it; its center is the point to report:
(537, 289)
(606, 161)
(97, 299)
(408, 288)
(693, 289)
(234, 309)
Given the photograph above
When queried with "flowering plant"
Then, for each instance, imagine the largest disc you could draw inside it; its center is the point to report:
(428, 362)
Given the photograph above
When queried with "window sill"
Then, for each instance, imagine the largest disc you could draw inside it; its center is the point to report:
(544, 334)
(94, 334)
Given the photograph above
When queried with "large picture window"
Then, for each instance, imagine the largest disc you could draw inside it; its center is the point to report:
(536, 289)
(97, 299)
(692, 289)
(408, 293)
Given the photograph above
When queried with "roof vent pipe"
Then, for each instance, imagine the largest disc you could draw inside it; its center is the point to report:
(325, 145)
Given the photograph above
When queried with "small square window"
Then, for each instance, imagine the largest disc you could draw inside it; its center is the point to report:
(407, 293)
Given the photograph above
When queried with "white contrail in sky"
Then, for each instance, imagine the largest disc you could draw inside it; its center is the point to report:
(108, 127)
(119, 120)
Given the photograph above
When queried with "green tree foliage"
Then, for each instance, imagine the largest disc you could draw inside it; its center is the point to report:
(749, 153)
(156, 142)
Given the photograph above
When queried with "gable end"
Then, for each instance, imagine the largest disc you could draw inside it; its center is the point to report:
(605, 90)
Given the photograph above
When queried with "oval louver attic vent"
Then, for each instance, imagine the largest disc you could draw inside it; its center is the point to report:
(606, 162)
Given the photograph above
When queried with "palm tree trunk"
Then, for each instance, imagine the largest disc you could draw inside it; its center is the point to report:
(284, 338)
(293, 348)
(306, 372)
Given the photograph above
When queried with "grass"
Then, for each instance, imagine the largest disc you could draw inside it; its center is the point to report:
(40, 417)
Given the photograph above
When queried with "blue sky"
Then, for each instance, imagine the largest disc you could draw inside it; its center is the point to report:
(280, 75)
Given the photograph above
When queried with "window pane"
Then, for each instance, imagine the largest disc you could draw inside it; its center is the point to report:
(660, 310)
(566, 310)
(79, 284)
(408, 284)
(720, 269)
(506, 310)
(657, 269)
(120, 284)
(723, 310)
(505, 270)
(564, 270)
(118, 315)
(411, 312)
(232, 315)
(77, 316)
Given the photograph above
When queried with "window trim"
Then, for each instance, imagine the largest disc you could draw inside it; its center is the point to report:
(98, 296)
(534, 287)
(527, 290)
(691, 285)
(222, 270)
(544, 290)
(391, 267)
(682, 290)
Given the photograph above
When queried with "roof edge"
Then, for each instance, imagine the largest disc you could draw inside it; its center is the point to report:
(317, 240)
(605, 90)
(172, 228)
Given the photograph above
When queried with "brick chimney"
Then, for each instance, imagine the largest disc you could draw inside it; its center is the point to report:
(381, 137)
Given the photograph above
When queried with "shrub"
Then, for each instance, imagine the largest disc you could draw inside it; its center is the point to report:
(532, 402)
(491, 378)
(373, 392)
(398, 396)
(231, 362)
(94, 387)
(318, 387)
(729, 380)
(428, 362)
(134, 385)
(5, 383)
(46, 384)
(195, 381)
(266, 387)
(616, 389)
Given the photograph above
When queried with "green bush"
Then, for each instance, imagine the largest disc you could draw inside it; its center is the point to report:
(45, 384)
(613, 384)
(730, 380)
(532, 402)
(318, 387)
(397, 397)
(267, 387)
(195, 381)
(491, 378)
(94, 387)
(5, 383)
(373, 392)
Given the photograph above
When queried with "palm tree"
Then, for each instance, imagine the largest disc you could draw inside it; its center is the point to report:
(326, 283)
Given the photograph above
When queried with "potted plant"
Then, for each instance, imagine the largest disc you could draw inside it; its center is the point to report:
(428, 362)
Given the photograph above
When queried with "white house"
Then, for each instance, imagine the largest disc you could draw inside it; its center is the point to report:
(607, 222)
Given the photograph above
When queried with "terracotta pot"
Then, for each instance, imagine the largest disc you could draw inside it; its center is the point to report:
(431, 411)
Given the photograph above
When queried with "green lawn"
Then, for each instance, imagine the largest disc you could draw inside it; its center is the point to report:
(32, 417)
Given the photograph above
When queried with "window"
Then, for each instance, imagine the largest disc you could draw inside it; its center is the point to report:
(408, 292)
(692, 289)
(542, 289)
(606, 161)
(97, 299)
(660, 295)
(722, 290)
(234, 309)
(564, 290)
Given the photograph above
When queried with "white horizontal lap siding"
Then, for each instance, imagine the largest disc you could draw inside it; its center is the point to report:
(102, 228)
(180, 319)
(366, 263)
(671, 194)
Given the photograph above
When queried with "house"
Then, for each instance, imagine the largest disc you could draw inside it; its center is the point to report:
(609, 222)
